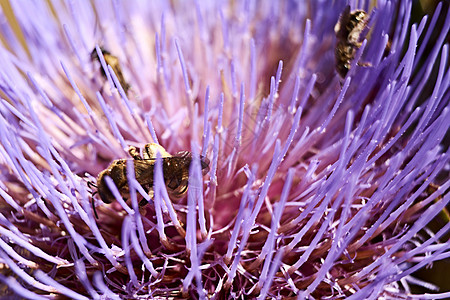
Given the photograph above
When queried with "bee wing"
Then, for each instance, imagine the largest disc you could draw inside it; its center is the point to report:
(144, 170)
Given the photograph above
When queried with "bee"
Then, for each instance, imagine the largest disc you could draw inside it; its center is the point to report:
(175, 172)
(349, 33)
(113, 61)
(445, 214)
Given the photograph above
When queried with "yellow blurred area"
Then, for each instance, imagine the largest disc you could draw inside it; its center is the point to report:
(421, 7)
(428, 6)
(7, 10)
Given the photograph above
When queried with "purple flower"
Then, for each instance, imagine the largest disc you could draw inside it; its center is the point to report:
(318, 186)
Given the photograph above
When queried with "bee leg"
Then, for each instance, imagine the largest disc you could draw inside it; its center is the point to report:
(364, 64)
(144, 201)
(142, 210)
(135, 153)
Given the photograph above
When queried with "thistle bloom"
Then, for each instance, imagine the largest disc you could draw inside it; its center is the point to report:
(318, 186)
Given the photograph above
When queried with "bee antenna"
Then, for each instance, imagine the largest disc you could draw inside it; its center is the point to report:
(93, 207)
(91, 185)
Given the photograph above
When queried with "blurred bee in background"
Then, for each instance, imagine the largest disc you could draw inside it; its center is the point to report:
(113, 61)
(349, 33)
(444, 214)
(175, 173)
